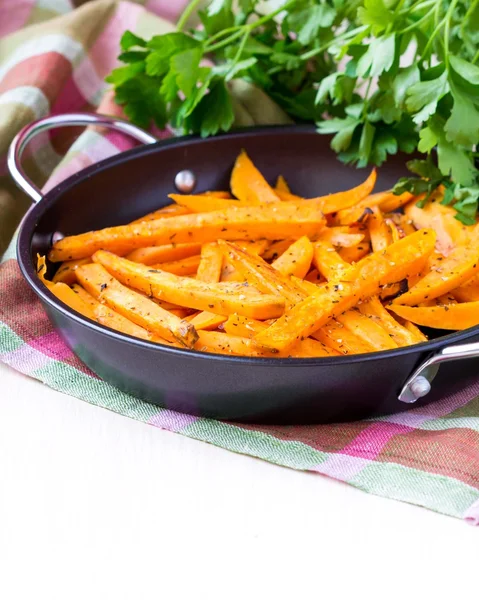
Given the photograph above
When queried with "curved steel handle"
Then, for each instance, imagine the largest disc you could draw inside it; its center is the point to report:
(21, 140)
(419, 383)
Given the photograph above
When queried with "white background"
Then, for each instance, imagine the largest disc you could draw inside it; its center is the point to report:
(96, 506)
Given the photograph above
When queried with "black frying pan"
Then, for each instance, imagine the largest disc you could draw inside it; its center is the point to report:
(126, 186)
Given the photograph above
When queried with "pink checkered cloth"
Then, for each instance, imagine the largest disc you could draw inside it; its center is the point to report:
(53, 63)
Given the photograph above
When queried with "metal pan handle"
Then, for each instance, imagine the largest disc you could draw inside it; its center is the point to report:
(419, 383)
(21, 140)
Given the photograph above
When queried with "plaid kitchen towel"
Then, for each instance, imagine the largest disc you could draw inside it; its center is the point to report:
(53, 58)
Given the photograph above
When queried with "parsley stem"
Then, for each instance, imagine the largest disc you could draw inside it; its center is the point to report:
(339, 38)
(447, 28)
(223, 32)
(241, 48)
(476, 56)
(186, 14)
(423, 19)
(250, 27)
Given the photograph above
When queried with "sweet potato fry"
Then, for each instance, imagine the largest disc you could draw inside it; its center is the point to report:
(394, 229)
(211, 264)
(153, 255)
(380, 233)
(184, 266)
(84, 295)
(455, 316)
(402, 222)
(341, 339)
(355, 253)
(306, 286)
(238, 325)
(339, 201)
(281, 185)
(258, 273)
(296, 260)
(374, 310)
(274, 250)
(448, 274)
(220, 298)
(449, 231)
(109, 318)
(258, 247)
(248, 185)
(415, 331)
(63, 292)
(66, 272)
(172, 210)
(207, 320)
(223, 343)
(251, 223)
(366, 329)
(218, 194)
(202, 203)
(135, 307)
(343, 200)
(328, 262)
(356, 213)
(394, 201)
(398, 261)
(314, 276)
(209, 271)
(341, 237)
(467, 292)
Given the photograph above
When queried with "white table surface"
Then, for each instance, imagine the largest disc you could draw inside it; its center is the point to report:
(96, 506)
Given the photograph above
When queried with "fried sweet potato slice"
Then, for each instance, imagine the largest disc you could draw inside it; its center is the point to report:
(341, 237)
(374, 310)
(184, 266)
(66, 272)
(333, 203)
(250, 223)
(249, 185)
(328, 262)
(467, 292)
(449, 231)
(135, 307)
(446, 275)
(258, 273)
(357, 213)
(343, 340)
(296, 260)
(152, 255)
(454, 316)
(223, 343)
(367, 330)
(207, 320)
(202, 203)
(380, 233)
(397, 262)
(219, 298)
(63, 292)
(211, 263)
(281, 185)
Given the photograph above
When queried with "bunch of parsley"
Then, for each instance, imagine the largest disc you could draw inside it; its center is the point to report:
(381, 75)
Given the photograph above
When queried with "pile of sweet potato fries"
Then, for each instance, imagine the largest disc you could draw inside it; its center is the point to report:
(262, 272)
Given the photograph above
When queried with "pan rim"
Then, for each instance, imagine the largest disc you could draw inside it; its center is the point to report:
(27, 230)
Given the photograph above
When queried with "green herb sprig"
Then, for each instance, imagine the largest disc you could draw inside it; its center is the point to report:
(381, 76)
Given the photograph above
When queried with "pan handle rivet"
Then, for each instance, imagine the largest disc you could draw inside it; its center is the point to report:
(185, 181)
(56, 237)
(420, 387)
